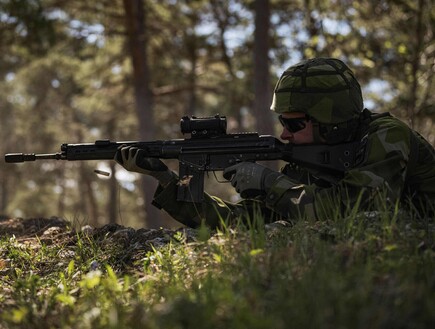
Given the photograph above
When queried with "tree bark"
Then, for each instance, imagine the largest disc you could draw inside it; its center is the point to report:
(412, 104)
(112, 205)
(138, 42)
(89, 202)
(262, 92)
(262, 87)
(4, 191)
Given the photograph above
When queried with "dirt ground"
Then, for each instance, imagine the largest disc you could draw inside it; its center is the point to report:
(123, 245)
(54, 228)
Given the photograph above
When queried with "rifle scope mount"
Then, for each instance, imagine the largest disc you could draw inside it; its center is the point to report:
(204, 127)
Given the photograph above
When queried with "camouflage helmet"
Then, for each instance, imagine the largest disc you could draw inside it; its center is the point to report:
(323, 88)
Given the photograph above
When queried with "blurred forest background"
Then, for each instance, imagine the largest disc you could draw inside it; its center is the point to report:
(78, 71)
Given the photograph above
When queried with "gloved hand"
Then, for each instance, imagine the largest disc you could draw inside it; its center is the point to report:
(134, 159)
(251, 179)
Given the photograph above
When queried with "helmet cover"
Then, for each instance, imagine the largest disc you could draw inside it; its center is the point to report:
(323, 88)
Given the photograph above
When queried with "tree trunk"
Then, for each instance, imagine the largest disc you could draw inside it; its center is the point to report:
(61, 198)
(89, 204)
(262, 92)
(191, 49)
(3, 193)
(419, 34)
(138, 41)
(112, 205)
(262, 89)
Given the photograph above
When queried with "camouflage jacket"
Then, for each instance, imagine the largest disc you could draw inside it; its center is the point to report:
(398, 165)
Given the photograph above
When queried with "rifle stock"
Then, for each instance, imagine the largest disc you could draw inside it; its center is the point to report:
(209, 148)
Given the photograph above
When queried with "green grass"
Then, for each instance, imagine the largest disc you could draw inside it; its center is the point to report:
(372, 270)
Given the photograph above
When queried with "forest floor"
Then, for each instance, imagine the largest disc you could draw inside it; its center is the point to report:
(369, 270)
(34, 233)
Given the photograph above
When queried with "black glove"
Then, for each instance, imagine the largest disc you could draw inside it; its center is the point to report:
(134, 159)
(251, 179)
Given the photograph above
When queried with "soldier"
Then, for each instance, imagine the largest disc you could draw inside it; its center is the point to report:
(318, 101)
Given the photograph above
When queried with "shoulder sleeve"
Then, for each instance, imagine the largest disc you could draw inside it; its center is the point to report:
(381, 175)
(211, 211)
(386, 158)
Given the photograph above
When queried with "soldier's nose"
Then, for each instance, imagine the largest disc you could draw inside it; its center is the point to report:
(286, 135)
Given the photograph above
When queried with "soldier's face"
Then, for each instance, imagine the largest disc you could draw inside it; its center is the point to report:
(303, 136)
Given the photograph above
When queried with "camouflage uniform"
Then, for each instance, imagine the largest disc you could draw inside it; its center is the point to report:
(396, 163)
(388, 168)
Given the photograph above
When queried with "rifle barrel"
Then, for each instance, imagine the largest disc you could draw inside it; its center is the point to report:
(22, 157)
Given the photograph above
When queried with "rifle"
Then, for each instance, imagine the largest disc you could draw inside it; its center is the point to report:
(210, 149)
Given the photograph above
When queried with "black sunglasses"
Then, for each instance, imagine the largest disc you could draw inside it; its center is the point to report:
(294, 124)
